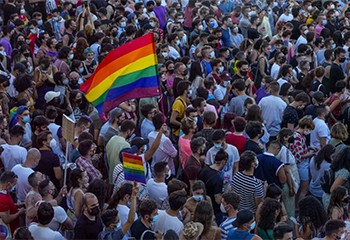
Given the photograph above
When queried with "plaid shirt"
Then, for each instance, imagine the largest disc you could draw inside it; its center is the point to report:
(86, 164)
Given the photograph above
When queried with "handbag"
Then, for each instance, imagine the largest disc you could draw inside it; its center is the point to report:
(294, 172)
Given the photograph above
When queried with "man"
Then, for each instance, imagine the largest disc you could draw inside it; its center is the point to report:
(43, 49)
(148, 215)
(83, 124)
(41, 230)
(48, 192)
(12, 153)
(89, 224)
(229, 205)
(226, 6)
(209, 120)
(8, 210)
(236, 38)
(244, 224)
(220, 143)
(148, 111)
(116, 117)
(272, 108)
(18, 69)
(269, 168)
(166, 151)
(334, 229)
(317, 100)
(33, 196)
(245, 184)
(226, 32)
(39, 124)
(283, 232)
(68, 37)
(302, 38)
(56, 130)
(156, 187)
(244, 23)
(179, 106)
(168, 219)
(320, 135)
(236, 104)
(221, 94)
(7, 31)
(336, 72)
(116, 144)
(207, 53)
(290, 117)
(180, 71)
(23, 171)
(161, 13)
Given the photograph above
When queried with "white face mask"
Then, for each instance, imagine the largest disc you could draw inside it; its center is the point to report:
(168, 175)
(307, 132)
(165, 54)
(222, 208)
(235, 30)
(53, 143)
(332, 6)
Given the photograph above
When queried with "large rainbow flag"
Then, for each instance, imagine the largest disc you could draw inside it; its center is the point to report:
(133, 168)
(128, 72)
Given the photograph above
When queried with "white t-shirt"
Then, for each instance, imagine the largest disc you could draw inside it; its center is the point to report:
(22, 186)
(12, 155)
(166, 222)
(219, 94)
(275, 70)
(39, 233)
(285, 18)
(321, 130)
(157, 191)
(282, 81)
(173, 53)
(60, 216)
(123, 213)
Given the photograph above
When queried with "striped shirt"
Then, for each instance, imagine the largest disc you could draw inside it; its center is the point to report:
(226, 226)
(249, 188)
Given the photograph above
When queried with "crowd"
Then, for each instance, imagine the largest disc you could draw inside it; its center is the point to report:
(247, 140)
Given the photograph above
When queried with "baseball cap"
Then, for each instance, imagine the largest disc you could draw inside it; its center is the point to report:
(192, 230)
(225, 76)
(318, 96)
(51, 95)
(243, 217)
(115, 113)
(139, 142)
(21, 109)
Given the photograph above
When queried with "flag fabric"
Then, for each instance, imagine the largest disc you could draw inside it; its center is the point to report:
(128, 72)
(133, 168)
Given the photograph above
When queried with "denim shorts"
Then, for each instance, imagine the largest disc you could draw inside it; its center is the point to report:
(303, 168)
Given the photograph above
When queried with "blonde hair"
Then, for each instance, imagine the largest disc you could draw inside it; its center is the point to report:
(339, 131)
(306, 122)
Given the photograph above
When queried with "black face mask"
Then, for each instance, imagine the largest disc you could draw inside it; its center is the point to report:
(291, 139)
(342, 59)
(185, 72)
(243, 73)
(171, 71)
(346, 200)
(54, 193)
(94, 211)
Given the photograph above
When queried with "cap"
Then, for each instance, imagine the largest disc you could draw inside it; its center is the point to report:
(131, 16)
(21, 109)
(318, 96)
(51, 95)
(139, 142)
(115, 113)
(192, 230)
(88, 50)
(225, 76)
(243, 217)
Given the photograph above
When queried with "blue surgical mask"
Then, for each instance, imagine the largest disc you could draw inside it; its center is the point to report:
(123, 24)
(252, 226)
(81, 70)
(26, 119)
(30, 69)
(71, 56)
(198, 198)
(212, 54)
(218, 145)
(221, 69)
(214, 24)
(40, 22)
(324, 22)
(155, 219)
(33, 31)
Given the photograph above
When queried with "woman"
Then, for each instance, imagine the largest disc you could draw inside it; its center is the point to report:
(196, 78)
(339, 197)
(79, 181)
(198, 194)
(270, 209)
(188, 127)
(285, 92)
(76, 99)
(263, 91)
(81, 45)
(24, 86)
(335, 104)
(154, 22)
(204, 214)
(43, 78)
(86, 150)
(302, 154)
(52, 51)
(339, 134)
(254, 114)
(285, 137)
(263, 64)
(341, 168)
(318, 164)
(89, 64)
(65, 54)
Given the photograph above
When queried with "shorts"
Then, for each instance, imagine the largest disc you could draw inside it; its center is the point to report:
(303, 168)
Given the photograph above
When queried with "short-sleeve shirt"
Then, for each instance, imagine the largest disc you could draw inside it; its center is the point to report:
(290, 115)
(179, 106)
(47, 163)
(336, 74)
(321, 130)
(7, 204)
(192, 169)
(268, 169)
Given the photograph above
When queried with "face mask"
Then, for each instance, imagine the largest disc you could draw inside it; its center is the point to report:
(152, 24)
(221, 69)
(181, 20)
(307, 132)
(291, 139)
(218, 145)
(306, 31)
(251, 13)
(195, 119)
(257, 164)
(309, 8)
(342, 59)
(123, 24)
(222, 208)
(55, 19)
(155, 219)
(244, 73)
(324, 22)
(252, 226)
(40, 22)
(65, 81)
(165, 54)
(333, 45)
(12, 189)
(178, 42)
(212, 54)
(168, 175)
(136, 21)
(32, 31)
(198, 198)
(81, 70)
(30, 69)
(200, 28)
(235, 29)
(23, 11)
(53, 143)
(94, 211)
(118, 226)
(214, 24)
(189, 93)
(26, 119)
(144, 10)
(226, 83)
(71, 56)
(332, 6)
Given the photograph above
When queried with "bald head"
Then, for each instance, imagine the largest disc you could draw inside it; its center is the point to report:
(33, 158)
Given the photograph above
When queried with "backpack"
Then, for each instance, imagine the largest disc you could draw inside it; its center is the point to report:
(327, 180)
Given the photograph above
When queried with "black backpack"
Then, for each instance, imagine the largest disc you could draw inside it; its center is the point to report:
(327, 180)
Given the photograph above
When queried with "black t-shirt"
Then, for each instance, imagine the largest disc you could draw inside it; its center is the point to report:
(213, 183)
(208, 135)
(87, 229)
(318, 86)
(138, 228)
(48, 161)
(336, 74)
(253, 146)
(296, 31)
(290, 115)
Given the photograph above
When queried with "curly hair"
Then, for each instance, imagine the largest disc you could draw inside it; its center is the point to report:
(336, 200)
(268, 213)
(79, 50)
(312, 209)
(204, 214)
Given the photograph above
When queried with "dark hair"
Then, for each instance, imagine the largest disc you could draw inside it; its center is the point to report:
(196, 143)
(127, 125)
(182, 86)
(8, 177)
(175, 185)
(239, 123)
(231, 198)
(99, 189)
(199, 184)
(339, 86)
(125, 189)
(108, 216)
(336, 199)
(147, 207)
(209, 117)
(280, 230)
(311, 210)
(146, 109)
(22, 233)
(84, 120)
(159, 168)
(273, 191)
(51, 112)
(84, 147)
(74, 177)
(239, 84)
(64, 52)
(23, 82)
(220, 156)
(42, 137)
(40, 121)
(17, 131)
(268, 213)
(333, 225)
(253, 129)
(157, 121)
(195, 71)
(285, 88)
(228, 119)
(204, 214)
(45, 213)
(177, 199)
(254, 114)
(325, 154)
(218, 134)
(302, 97)
(341, 159)
(246, 159)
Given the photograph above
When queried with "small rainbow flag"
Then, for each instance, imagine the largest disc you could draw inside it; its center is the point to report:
(128, 72)
(133, 168)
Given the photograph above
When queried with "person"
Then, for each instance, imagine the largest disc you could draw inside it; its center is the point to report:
(336, 72)
(318, 164)
(334, 229)
(320, 135)
(283, 232)
(148, 216)
(339, 134)
(168, 220)
(244, 182)
(229, 205)
(148, 111)
(204, 214)
(188, 127)
(269, 211)
(23, 171)
(89, 224)
(22, 233)
(243, 226)
(339, 198)
(236, 104)
(335, 104)
(33, 196)
(41, 229)
(116, 117)
(10, 213)
(156, 186)
(237, 138)
(192, 231)
(254, 131)
(209, 120)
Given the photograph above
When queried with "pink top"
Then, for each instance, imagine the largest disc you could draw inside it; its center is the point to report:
(318, 30)
(188, 17)
(184, 150)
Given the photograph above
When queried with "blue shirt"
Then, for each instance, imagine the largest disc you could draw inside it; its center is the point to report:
(146, 127)
(268, 168)
(226, 7)
(226, 226)
(226, 37)
(235, 235)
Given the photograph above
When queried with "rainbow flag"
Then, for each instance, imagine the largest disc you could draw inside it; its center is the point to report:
(128, 72)
(133, 168)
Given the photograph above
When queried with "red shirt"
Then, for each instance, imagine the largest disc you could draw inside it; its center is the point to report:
(237, 141)
(7, 204)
